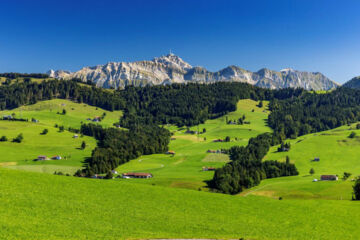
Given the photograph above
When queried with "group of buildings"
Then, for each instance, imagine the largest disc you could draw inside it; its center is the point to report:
(43, 157)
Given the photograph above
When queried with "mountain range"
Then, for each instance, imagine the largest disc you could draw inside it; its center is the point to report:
(172, 69)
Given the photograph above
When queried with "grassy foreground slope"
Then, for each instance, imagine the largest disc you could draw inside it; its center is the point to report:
(42, 206)
(338, 154)
(185, 168)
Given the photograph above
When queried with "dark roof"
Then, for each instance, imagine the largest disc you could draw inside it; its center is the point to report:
(137, 174)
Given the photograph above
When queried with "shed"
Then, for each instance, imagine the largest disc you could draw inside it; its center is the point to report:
(42, 157)
(137, 175)
(329, 178)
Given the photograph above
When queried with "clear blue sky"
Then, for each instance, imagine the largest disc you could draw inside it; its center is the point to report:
(315, 35)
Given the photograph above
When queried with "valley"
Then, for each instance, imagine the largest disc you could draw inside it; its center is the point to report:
(176, 201)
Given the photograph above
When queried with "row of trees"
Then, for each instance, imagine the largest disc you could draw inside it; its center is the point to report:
(115, 147)
(246, 168)
(13, 75)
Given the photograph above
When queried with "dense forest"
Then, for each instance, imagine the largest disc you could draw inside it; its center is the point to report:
(296, 116)
(18, 94)
(191, 104)
(116, 147)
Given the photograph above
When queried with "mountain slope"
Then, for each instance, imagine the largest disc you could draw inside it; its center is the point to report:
(353, 83)
(172, 69)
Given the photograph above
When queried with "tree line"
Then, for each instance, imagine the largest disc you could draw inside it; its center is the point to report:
(115, 146)
(247, 169)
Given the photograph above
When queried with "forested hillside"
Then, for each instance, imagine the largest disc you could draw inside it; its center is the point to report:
(294, 112)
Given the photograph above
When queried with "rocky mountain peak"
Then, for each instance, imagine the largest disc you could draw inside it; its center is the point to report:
(170, 69)
(171, 60)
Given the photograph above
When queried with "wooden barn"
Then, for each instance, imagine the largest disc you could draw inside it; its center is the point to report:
(329, 178)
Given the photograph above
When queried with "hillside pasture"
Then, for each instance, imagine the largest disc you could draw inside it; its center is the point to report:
(338, 154)
(184, 169)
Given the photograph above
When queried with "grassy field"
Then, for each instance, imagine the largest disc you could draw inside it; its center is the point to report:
(184, 169)
(21, 155)
(42, 206)
(338, 154)
(49, 113)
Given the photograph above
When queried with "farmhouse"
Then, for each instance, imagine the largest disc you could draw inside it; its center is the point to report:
(137, 175)
(42, 157)
(96, 119)
(7, 117)
(170, 152)
(114, 172)
(191, 132)
(329, 178)
(208, 168)
(316, 159)
(34, 120)
(57, 157)
(211, 151)
(75, 136)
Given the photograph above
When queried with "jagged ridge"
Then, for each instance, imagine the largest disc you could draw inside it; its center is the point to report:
(172, 69)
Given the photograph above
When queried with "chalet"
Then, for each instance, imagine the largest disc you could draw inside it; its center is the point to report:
(75, 136)
(191, 132)
(7, 117)
(218, 140)
(42, 157)
(114, 172)
(34, 120)
(57, 157)
(170, 152)
(98, 176)
(316, 159)
(208, 168)
(137, 175)
(283, 149)
(96, 119)
(329, 178)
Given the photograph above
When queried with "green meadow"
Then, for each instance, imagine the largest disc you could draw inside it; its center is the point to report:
(22, 155)
(338, 154)
(49, 113)
(175, 203)
(44, 206)
(184, 169)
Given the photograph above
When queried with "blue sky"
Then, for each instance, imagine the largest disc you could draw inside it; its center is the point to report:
(315, 35)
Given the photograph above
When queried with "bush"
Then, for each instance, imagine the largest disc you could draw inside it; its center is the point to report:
(19, 138)
(3, 139)
(346, 175)
(109, 175)
(83, 145)
(44, 132)
(356, 189)
(352, 135)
